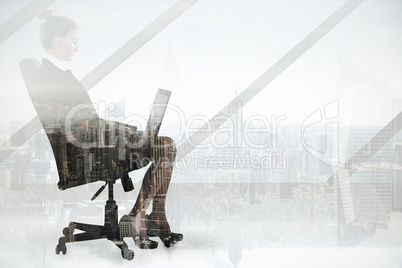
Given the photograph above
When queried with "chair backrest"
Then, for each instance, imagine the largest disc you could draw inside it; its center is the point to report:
(75, 165)
(30, 70)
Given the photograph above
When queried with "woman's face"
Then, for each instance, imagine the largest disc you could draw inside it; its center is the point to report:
(69, 45)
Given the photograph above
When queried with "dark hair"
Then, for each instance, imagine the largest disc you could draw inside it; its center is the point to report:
(55, 26)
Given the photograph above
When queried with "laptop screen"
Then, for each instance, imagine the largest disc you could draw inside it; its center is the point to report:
(157, 112)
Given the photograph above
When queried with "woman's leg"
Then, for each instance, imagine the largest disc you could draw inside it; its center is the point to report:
(154, 188)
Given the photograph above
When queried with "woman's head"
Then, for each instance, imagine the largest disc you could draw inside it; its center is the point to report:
(59, 36)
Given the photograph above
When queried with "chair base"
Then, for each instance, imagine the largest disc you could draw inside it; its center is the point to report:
(109, 230)
(113, 232)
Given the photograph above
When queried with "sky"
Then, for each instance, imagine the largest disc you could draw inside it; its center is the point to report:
(218, 48)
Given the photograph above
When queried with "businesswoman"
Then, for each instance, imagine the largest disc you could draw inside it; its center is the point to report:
(59, 93)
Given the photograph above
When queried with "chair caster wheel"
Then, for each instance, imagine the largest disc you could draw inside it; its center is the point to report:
(168, 242)
(127, 254)
(65, 231)
(62, 248)
(146, 244)
(171, 240)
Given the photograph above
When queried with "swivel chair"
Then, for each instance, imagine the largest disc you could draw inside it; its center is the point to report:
(103, 169)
